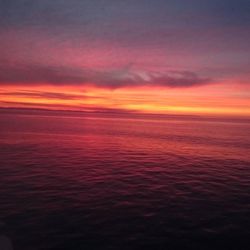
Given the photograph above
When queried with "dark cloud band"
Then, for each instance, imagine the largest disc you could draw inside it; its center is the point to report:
(118, 78)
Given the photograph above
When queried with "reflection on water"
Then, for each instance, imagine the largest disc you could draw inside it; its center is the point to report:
(116, 183)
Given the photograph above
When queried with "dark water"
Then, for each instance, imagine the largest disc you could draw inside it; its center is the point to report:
(109, 183)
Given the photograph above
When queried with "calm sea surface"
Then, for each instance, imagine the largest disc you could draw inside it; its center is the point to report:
(100, 182)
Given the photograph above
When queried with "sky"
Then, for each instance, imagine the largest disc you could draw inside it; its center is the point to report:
(149, 56)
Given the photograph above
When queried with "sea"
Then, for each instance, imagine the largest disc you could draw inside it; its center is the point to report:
(72, 180)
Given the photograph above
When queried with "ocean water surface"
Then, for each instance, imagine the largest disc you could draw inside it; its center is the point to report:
(124, 182)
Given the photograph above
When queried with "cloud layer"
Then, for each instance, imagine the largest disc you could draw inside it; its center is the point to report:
(44, 94)
(118, 78)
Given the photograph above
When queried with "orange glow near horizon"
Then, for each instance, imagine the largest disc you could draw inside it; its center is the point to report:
(137, 59)
(210, 99)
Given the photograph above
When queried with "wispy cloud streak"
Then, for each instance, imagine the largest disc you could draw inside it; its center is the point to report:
(118, 78)
(46, 95)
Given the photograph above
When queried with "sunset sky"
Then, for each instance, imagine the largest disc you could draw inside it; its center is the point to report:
(153, 56)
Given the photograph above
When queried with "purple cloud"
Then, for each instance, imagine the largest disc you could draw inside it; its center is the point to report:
(47, 95)
(118, 78)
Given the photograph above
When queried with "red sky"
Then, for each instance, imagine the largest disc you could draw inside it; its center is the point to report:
(145, 56)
